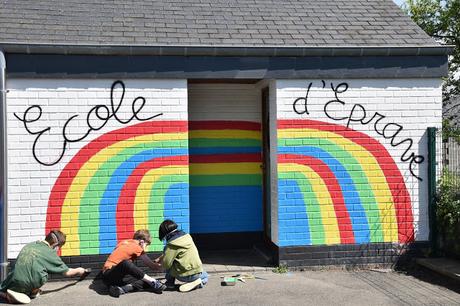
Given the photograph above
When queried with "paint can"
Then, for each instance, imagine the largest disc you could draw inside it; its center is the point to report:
(229, 281)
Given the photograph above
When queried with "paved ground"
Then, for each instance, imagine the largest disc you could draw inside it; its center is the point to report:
(293, 288)
(444, 266)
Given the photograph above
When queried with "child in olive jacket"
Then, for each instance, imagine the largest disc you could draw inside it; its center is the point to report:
(35, 262)
(180, 258)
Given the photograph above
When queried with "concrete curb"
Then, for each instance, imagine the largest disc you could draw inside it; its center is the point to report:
(215, 269)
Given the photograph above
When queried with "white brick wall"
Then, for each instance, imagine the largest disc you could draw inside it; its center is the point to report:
(415, 104)
(29, 182)
(224, 102)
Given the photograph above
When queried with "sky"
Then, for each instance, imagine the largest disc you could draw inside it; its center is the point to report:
(398, 2)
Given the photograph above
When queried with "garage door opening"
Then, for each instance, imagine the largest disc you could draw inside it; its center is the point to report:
(226, 164)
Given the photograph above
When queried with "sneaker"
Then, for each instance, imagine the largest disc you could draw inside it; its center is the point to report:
(115, 291)
(158, 287)
(190, 286)
(170, 286)
(14, 297)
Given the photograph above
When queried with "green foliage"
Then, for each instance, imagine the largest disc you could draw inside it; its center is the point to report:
(448, 212)
(281, 269)
(450, 131)
(441, 20)
(426, 13)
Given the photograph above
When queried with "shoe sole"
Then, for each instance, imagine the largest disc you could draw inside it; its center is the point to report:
(190, 286)
(114, 292)
(159, 290)
(17, 297)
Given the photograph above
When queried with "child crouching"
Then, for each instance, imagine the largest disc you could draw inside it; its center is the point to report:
(35, 262)
(180, 258)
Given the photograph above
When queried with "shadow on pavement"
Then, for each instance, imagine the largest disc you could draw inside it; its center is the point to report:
(421, 273)
(434, 278)
(59, 289)
(99, 287)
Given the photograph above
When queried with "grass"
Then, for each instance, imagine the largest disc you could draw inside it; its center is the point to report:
(281, 269)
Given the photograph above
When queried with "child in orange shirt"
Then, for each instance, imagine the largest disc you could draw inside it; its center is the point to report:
(120, 264)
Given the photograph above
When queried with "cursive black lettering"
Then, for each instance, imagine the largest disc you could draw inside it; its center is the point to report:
(359, 114)
(137, 109)
(341, 88)
(65, 134)
(96, 119)
(363, 122)
(326, 112)
(116, 107)
(102, 118)
(417, 159)
(27, 121)
(394, 133)
(304, 109)
(376, 128)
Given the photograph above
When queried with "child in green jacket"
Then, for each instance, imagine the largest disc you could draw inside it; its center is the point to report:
(180, 258)
(35, 261)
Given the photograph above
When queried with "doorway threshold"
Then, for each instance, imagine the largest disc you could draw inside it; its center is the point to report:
(234, 261)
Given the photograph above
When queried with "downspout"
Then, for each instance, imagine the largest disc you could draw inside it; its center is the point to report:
(3, 173)
(432, 189)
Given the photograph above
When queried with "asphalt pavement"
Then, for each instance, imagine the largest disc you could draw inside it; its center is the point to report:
(338, 287)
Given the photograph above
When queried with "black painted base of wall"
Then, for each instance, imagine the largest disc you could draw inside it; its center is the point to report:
(351, 254)
(218, 241)
(373, 254)
(95, 262)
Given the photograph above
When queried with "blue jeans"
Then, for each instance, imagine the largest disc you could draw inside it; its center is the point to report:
(187, 279)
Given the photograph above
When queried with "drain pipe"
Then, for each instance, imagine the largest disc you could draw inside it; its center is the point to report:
(3, 173)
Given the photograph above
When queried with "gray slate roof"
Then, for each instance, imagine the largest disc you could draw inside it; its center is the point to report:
(243, 23)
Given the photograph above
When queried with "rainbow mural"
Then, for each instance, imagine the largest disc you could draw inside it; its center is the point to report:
(225, 176)
(338, 186)
(137, 176)
(124, 180)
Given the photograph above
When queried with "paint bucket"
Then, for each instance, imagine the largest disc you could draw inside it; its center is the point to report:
(229, 281)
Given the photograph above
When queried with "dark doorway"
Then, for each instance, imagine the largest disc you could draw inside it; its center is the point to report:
(225, 155)
(266, 200)
(230, 210)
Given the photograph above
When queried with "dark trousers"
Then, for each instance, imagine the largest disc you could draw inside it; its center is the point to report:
(126, 272)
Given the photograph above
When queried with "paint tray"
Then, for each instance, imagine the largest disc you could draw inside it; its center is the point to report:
(229, 281)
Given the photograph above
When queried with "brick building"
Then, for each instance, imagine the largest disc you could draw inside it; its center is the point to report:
(297, 124)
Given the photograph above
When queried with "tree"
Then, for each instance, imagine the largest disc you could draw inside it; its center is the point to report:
(441, 20)
(450, 131)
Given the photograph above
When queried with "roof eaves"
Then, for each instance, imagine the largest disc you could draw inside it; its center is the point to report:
(279, 51)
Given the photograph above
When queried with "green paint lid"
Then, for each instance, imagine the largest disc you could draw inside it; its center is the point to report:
(229, 281)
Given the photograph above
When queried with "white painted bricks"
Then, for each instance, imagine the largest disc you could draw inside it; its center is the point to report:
(415, 104)
(29, 182)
